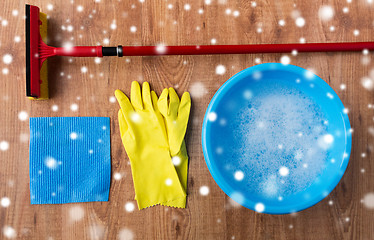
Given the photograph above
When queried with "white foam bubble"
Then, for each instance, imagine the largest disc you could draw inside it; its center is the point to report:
(269, 186)
(277, 137)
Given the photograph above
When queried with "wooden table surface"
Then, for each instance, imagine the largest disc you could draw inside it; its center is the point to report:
(344, 214)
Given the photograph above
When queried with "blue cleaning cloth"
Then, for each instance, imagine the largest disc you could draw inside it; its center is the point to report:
(69, 159)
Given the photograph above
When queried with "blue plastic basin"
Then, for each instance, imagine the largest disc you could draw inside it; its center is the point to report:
(276, 172)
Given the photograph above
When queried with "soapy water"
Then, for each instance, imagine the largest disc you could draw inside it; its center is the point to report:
(282, 142)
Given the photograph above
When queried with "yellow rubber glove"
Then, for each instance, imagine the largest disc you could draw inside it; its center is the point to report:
(176, 114)
(144, 137)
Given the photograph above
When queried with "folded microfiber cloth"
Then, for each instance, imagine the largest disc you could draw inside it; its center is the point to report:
(69, 159)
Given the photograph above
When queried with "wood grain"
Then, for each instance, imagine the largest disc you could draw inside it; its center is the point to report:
(206, 217)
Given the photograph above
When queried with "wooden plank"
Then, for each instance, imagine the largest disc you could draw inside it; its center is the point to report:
(167, 22)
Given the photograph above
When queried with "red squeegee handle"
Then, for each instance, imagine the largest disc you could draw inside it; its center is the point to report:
(245, 49)
(99, 51)
(80, 51)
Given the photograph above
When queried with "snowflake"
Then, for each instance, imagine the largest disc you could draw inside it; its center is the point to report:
(284, 171)
(326, 13)
(220, 69)
(117, 176)
(17, 39)
(129, 206)
(187, 7)
(5, 202)
(212, 116)
(7, 59)
(204, 190)
(4, 145)
(239, 175)
(76, 213)
(259, 207)
(300, 22)
(23, 116)
(285, 60)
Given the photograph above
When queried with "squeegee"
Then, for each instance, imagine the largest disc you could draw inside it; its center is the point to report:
(37, 51)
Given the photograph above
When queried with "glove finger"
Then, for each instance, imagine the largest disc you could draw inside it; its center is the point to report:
(136, 97)
(159, 116)
(154, 100)
(124, 124)
(123, 127)
(162, 102)
(182, 121)
(146, 94)
(173, 102)
(184, 107)
(123, 101)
